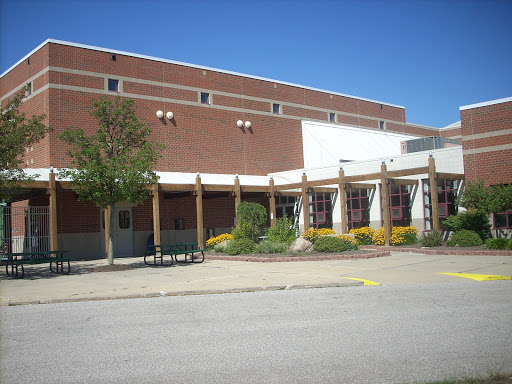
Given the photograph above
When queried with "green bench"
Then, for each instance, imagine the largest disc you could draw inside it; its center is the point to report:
(190, 251)
(16, 261)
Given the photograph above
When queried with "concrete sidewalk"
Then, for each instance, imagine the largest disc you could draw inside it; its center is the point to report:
(219, 276)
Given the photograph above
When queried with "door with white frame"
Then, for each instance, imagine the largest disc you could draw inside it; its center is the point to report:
(122, 230)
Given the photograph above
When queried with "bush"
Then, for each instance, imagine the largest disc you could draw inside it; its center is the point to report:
(212, 241)
(465, 238)
(333, 244)
(498, 243)
(240, 247)
(477, 221)
(221, 248)
(434, 238)
(312, 234)
(269, 246)
(242, 231)
(283, 231)
(363, 235)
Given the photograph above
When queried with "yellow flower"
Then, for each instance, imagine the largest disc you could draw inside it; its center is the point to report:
(219, 239)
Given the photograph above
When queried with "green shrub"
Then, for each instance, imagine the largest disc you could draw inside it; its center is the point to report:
(465, 238)
(269, 246)
(434, 238)
(477, 221)
(510, 244)
(410, 239)
(242, 231)
(240, 247)
(282, 231)
(221, 248)
(333, 244)
(498, 243)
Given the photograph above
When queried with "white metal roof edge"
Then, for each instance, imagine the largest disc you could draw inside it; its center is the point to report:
(485, 103)
(192, 66)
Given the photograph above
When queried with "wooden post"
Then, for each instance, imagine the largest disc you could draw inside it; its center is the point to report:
(343, 201)
(305, 201)
(272, 202)
(385, 203)
(433, 192)
(199, 211)
(54, 246)
(238, 197)
(156, 215)
(106, 216)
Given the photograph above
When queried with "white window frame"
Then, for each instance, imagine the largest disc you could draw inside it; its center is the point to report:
(279, 107)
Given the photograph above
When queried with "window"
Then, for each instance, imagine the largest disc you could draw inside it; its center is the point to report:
(400, 205)
(285, 206)
(205, 98)
(113, 85)
(276, 108)
(28, 89)
(503, 220)
(124, 219)
(320, 210)
(332, 117)
(358, 208)
(179, 224)
(113, 57)
(382, 125)
(446, 199)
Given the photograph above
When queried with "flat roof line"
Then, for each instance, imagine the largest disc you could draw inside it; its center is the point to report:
(61, 42)
(485, 103)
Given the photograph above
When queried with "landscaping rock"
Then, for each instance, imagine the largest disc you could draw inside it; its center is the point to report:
(301, 245)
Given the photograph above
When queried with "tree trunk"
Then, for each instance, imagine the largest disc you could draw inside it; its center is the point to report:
(110, 235)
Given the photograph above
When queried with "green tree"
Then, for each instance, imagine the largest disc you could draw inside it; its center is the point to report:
(17, 132)
(251, 215)
(493, 199)
(116, 162)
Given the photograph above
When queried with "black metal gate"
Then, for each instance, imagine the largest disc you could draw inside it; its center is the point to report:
(25, 229)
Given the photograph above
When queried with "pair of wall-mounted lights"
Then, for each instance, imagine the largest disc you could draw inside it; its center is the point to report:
(240, 124)
(169, 115)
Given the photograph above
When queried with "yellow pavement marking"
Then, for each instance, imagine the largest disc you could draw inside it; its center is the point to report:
(366, 282)
(478, 277)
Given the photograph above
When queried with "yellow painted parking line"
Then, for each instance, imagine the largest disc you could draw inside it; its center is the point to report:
(478, 277)
(366, 282)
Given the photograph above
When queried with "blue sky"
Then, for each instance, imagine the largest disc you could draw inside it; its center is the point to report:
(429, 56)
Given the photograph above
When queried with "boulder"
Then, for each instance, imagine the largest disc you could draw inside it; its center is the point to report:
(301, 245)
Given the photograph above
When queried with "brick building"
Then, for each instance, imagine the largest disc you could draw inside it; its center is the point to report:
(241, 137)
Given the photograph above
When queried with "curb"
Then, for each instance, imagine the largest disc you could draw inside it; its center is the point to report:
(369, 255)
(188, 293)
(458, 252)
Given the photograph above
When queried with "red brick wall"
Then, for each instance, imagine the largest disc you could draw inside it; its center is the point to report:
(493, 165)
(201, 138)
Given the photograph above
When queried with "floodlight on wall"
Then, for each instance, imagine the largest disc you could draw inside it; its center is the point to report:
(159, 114)
(170, 115)
(198, 174)
(236, 176)
(430, 154)
(383, 162)
(51, 169)
(240, 123)
(247, 124)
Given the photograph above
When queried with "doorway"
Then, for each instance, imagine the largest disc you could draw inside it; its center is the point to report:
(122, 231)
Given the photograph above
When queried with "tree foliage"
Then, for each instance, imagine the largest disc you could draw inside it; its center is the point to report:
(493, 199)
(116, 162)
(251, 215)
(17, 132)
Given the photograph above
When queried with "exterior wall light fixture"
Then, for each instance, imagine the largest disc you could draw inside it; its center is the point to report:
(159, 114)
(247, 124)
(240, 123)
(170, 115)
